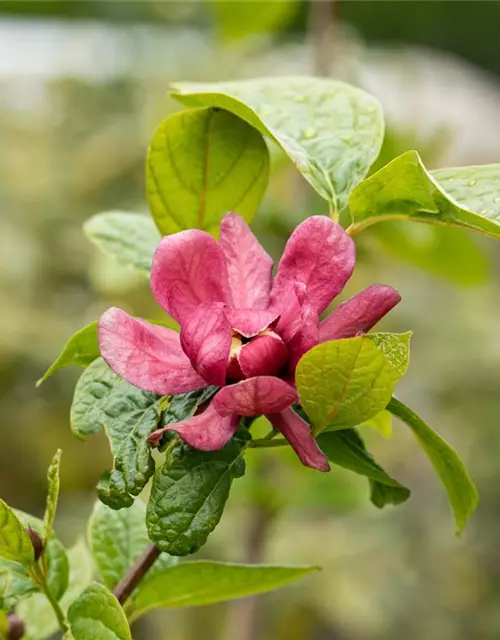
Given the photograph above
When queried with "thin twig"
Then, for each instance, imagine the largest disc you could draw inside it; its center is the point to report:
(322, 23)
(136, 573)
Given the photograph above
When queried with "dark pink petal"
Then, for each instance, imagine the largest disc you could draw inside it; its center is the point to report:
(299, 435)
(264, 355)
(307, 336)
(147, 356)
(207, 431)
(319, 254)
(249, 266)
(189, 269)
(360, 313)
(250, 322)
(252, 397)
(290, 316)
(206, 340)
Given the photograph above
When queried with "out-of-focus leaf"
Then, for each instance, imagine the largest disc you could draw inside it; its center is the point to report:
(448, 252)
(192, 584)
(117, 539)
(81, 349)
(52, 495)
(343, 383)
(15, 544)
(404, 189)
(15, 584)
(240, 19)
(202, 164)
(189, 493)
(461, 491)
(346, 449)
(128, 415)
(96, 613)
(330, 130)
(131, 238)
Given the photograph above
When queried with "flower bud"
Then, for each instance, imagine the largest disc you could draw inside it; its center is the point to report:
(36, 541)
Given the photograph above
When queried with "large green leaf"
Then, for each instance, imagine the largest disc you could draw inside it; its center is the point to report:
(330, 130)
(343, 383)
(465, 197)
(189, 493)
(15, 584)
(52, 495)
(461, 491)
(396, 349)
(15, 543)
(131, 238)
(202, 164)
(81, 349)
(192, 584)
(117, 539)
(346, 449)
(97, 614)
(128, 415)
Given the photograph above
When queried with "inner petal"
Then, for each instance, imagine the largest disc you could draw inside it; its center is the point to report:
(264, 355)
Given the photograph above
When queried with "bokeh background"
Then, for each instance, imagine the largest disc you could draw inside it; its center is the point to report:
(82, 87)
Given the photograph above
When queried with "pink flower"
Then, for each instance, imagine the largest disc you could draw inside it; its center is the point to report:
(240, 329)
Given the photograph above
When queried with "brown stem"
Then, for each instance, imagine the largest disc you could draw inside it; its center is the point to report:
(15, 628)
(136, 573)
(322, 18)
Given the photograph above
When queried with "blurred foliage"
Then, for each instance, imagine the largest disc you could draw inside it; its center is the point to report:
(72, 146)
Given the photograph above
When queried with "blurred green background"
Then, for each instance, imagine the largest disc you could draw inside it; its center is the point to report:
(82, 88)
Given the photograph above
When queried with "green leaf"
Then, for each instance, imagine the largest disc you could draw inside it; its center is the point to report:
(404, 189)
(192, 584)
(131, 238)
(346, 449)
(52, 495)
(81, 349)
(189, 493)
(128, 415)
(15, 584)
(15, 543)
(343, 383)
(202, 164)
(330, 130)
(98, 614)
(240, 19)
(396, 349)
(117, 539)
(36, 611)
(382, 423)
(461, 491)
(4, 625)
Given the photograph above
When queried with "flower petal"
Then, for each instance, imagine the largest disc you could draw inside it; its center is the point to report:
(307, 336)
(290, 315)
(254, 396)
(298, 433)
(249, 266)
(206, 340)
(149, 357)
(360, 313)
(264, 355)
(189, 269)
(207, 431)
(250, 322)
(319, 254)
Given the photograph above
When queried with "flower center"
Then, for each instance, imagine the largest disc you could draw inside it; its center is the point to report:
(261, 355)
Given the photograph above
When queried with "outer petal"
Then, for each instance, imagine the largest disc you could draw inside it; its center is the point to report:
(360, 313)
(290, 313)
(189, 269)
(307, 336)
(207, 431)
(254, 396)
(149, 357)
(249, 266)
(250, 322)
(297, 432)
(319, 254)
(206, 340)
